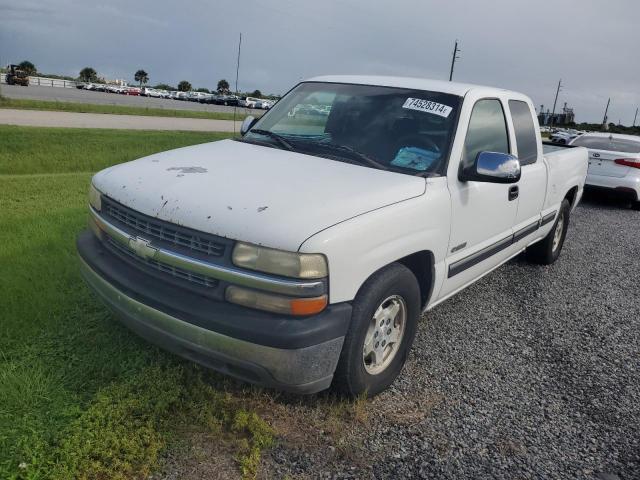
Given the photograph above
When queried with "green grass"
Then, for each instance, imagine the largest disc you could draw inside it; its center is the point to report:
(81, 396)
(27, 104)
(33, 150)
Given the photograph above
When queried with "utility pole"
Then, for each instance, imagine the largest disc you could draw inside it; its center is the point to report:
(555, 101)
(235, 107)
(455, 57)
(635, 118)
(604, 120)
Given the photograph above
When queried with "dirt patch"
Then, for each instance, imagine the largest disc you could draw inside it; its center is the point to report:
(200, 455)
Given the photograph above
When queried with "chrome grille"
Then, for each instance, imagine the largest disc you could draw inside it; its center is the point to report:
(161, 267)
(159, 229)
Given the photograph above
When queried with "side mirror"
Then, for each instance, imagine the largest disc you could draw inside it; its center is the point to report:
(247, 123)
(492, 167)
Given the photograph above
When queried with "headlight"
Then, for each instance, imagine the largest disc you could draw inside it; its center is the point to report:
(95, 198)
(279, 262)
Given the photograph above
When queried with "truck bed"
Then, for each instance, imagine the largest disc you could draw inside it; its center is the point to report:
(549, 148)
(566, 165)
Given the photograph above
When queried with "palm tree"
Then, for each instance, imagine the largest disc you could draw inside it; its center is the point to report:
(141, 77)
(223, 86)
(28, 67)
(184, 86)
(88, 74)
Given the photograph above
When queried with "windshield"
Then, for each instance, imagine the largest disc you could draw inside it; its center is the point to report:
(612, 144)
(397, 129)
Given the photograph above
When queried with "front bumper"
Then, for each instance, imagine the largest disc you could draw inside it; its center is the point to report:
(292, 354)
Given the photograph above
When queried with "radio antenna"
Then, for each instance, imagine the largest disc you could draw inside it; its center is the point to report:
(235, 106)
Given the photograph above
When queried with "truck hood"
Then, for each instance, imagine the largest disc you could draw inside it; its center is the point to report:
(252, 193)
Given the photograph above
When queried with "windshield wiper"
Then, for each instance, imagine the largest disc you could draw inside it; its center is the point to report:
(364, 158)
(278, 138)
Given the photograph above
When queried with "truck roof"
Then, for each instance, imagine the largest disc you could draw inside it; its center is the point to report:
(443, 86)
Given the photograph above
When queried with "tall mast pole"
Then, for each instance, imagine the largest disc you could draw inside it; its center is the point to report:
(235, 107)
(604, 119)
(553, 113)
(455, 56)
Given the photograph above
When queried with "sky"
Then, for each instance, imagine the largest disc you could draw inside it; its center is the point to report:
(520, 45)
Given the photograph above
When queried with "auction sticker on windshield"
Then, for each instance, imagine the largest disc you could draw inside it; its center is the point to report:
(427, 106)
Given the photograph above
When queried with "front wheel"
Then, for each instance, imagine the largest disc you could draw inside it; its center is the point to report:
(547, 250)
(383, 324)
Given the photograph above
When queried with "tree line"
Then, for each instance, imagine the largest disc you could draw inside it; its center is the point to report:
(90, 75)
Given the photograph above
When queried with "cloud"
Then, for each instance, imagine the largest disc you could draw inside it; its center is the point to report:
(517, 44)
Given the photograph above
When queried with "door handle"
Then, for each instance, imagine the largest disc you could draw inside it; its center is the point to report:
(513, 192)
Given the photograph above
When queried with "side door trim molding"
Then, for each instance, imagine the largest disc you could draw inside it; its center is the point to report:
(548, 218)
(525, 231)
(481, 255)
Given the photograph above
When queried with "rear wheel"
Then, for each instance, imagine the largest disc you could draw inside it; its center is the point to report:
(547, 250)
(383, 325)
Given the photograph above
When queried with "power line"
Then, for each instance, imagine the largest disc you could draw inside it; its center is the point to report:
(455, 57)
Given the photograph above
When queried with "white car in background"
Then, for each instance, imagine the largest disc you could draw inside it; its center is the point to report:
(152, 92)
(564, 137)
(249, 102)
(614, 163)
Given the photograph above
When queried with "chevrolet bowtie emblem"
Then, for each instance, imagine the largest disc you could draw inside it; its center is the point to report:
(142, 247)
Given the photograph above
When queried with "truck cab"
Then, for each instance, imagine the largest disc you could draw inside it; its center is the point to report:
(16, 76)
(301, 255)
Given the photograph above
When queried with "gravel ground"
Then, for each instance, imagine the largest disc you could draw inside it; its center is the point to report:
(533, 372)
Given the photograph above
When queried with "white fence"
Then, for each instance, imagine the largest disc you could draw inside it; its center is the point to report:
(45, 82)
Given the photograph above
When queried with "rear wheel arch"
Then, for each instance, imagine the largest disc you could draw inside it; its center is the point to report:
(572, 195)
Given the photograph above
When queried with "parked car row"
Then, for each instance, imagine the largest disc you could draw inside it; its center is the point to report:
(200, 97)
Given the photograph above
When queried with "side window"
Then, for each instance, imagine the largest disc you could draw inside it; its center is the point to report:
(487, 131)
(525, 132)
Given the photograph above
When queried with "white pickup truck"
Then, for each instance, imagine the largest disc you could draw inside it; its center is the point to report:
(301, 255)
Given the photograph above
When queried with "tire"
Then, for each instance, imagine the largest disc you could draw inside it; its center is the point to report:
(395, 286)
(547, 250)
(635, 205)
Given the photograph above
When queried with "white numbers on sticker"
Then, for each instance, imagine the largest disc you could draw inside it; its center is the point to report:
(427, 106)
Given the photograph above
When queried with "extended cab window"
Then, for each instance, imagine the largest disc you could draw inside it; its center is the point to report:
(398, 129)
(487, 131)
(525, 131)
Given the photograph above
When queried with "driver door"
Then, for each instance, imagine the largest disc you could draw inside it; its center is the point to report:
(482, 213)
